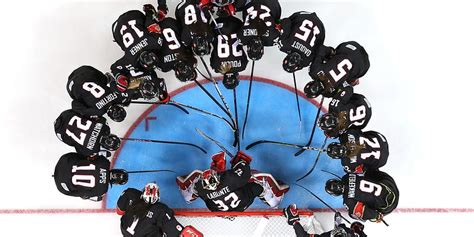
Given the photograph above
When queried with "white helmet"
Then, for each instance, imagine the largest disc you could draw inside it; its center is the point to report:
(151, 193)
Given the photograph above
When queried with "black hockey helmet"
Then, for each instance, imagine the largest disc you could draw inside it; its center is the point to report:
(147, 60)
(231, 80)
(334, 187)
(117, 113)
(222, 3)
(200, 45)
(118, 176)
(292, 62)
(340, 231)
(336, 150)
(148, 89)
(110, 142)
(255, 49)
(313, 89)
(328, 122)
(184, 72)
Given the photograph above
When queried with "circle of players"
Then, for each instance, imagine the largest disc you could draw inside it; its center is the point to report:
(155, 41)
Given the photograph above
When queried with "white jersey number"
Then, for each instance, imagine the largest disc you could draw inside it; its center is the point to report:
(96, 90)
(369, 187)
(190, 16)
(171, 38)
(84, 127)
(342, 70)
(307, 27)
(233, 203)
(357, 116)
(252, 13)
(224, 49)
(374, 144)
(128, 37)
(83, 180)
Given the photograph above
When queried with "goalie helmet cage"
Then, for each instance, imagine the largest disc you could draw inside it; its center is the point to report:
(252, 222)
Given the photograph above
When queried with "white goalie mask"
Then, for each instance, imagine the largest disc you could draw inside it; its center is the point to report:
(210, 180)
(151, 193)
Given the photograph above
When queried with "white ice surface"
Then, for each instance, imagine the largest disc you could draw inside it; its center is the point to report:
(419, 85)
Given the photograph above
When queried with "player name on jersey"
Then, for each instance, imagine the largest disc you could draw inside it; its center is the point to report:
(219, 193)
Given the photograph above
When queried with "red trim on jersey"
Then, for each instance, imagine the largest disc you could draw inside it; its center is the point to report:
(359, 210)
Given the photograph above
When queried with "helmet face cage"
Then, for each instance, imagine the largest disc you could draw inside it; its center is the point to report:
(292, 62)
(255, 49)
(200, 46)
(337, 150)
(334, 187)
(222, 3)
(210, 180)
(328, 122)
(110, 142)
(151, 193)
(118, 176)
(147, 60)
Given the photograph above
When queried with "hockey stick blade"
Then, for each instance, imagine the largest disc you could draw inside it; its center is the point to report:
(322, 201)
(165, 142)
(215, 142)
(314, 128)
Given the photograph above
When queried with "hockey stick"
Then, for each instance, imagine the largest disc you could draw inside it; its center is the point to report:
(315, 162)
(297, 99)
(248, 100)
(202, 74)
(322, 201)
(149, 171)
(190, 107)
(213, 99)
(215, 142)
(164, 142)
(237, 135)
(161, 103)
(285, 144)
(314, 128)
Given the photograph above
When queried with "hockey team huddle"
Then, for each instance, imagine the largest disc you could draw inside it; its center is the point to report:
(231, 32)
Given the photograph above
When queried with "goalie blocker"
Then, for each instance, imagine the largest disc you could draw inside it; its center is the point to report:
(231, 190)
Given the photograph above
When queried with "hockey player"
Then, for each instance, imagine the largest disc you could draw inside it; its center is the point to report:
(87, 177)
(260, 27)
(340, 229)
(367, 197)
(228, 56)
(231, 190)
(144, 215)
(195, 24)
(301, 36)
(134, 72)
(88, 136)
(92, 96)
(353, 111)
(332, 71)
(360, 151)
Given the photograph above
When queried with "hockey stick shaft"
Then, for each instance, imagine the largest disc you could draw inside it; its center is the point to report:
(322, 201)
(297, 97)
(314, 128)
(237, 135)
(284, 144)
(213, 99)
(215, 142)
(164, 142)
(217, 89)
(149, 171)
(315, 162)
(248, 99)
(161, 103)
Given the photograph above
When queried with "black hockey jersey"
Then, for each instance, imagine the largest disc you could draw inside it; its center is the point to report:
(230, 194)
(228, 55)
(193, 21)
(353, 113)
(81, 132)
(366, 196)
(350, 62)
(159, 219)
(172, 49)
(261, 17)
(88, 87)
(303, 32)
(81, 176)
(370, 150)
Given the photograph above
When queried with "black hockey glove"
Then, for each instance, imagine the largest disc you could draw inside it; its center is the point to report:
(292, 215)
